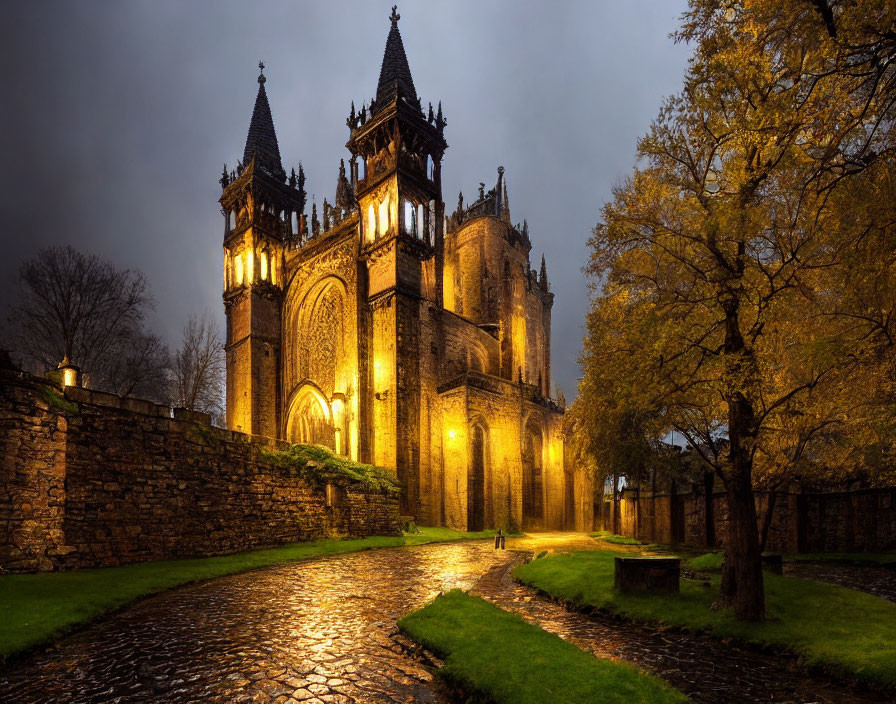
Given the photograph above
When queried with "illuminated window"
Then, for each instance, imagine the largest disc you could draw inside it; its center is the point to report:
(410, 218)
(264, 266)
(384, 217)
(371, 223)
(238, 274)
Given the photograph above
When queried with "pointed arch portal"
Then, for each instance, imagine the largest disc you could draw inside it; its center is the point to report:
(309, 418)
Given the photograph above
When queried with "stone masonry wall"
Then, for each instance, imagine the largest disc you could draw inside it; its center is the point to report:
(93, 480)
(854, 521)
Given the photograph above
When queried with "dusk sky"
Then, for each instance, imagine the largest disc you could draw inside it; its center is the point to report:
(118, 117)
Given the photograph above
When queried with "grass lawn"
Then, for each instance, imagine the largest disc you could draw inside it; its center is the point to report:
(609, 537)
(843, 631)
(35, 608)
(495, 655)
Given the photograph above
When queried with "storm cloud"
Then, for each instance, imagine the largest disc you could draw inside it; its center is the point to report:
(118, 117)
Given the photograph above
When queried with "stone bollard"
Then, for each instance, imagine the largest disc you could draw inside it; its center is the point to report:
(653, 575)
(772, 562)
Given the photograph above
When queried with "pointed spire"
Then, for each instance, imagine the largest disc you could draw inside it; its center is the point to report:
(440, 120)
(345, 200)
(543, 278)
(395, 74)
(315, 223)
(505, 212)
(499, 190)
(262, 139)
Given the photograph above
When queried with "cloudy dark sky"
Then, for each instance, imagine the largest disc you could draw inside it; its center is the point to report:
(117, 117)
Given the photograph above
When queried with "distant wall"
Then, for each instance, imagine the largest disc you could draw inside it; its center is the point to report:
(855, 521)
(90, 479)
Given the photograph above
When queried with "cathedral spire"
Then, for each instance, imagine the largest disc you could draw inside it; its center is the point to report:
(395, 74)
(262, 139)
(543, 278)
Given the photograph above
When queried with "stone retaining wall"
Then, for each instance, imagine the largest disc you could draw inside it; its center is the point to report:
(854, 521)
(92, 480)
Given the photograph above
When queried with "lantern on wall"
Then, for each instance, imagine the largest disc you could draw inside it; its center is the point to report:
(70, 373)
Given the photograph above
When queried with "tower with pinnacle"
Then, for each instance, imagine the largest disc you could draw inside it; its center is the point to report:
(388, 332)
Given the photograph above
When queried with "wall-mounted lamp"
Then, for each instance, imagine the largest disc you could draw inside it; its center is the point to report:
(71, 373)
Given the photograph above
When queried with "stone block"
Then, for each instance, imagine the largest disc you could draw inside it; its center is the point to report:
(192, 416)
(101, 398)
(138, 405)
(77, 394)
(653, 575)
(772, 561)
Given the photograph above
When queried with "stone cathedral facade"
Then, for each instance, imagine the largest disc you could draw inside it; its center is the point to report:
(390, 331)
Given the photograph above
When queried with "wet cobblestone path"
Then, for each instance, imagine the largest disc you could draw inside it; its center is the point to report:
(704, 668)
(317, 631)
(879, 581)
(324, 631)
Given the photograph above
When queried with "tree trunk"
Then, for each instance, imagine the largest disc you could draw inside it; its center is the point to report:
(709, 479)
(742, 582)
(615, 504)
(767, 519)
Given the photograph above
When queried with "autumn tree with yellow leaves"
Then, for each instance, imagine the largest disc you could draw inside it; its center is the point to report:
(745, 268)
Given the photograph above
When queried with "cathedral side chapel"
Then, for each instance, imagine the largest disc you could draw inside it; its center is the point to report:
(389, 331)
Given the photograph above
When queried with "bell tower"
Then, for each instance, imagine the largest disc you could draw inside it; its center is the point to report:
(262, 216)
(399, 196)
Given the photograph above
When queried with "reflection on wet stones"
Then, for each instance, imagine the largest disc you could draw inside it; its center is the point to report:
(879, 581)
(320, 631)
(706, 669)
(324, 631)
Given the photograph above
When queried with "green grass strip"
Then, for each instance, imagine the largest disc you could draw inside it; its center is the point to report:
(843, 631)
(35, 608)
(494, 655)
(608, 537)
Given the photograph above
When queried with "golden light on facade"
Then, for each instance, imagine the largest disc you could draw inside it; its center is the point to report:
(338, 406)
(264, 266)
(384, 216)
(239, 269)
(452, 433)
(250, 266)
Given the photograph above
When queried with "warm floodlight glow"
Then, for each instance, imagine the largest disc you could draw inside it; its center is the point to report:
(452, 434)
(250, 266)
(384, 216)
(239, 270)
(264, 266)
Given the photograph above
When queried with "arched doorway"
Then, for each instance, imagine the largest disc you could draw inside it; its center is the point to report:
(476, 480)
(533, 484)
(309, 420)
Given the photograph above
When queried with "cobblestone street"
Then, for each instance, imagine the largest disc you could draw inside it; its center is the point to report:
(324, 631)
(311, 631)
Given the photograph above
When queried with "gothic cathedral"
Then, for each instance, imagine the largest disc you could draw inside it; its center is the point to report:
(390, 332)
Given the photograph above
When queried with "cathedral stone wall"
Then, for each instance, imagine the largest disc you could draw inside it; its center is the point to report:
(92, 480)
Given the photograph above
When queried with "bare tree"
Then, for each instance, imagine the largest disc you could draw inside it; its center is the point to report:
(198, 382)
(81, 307)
